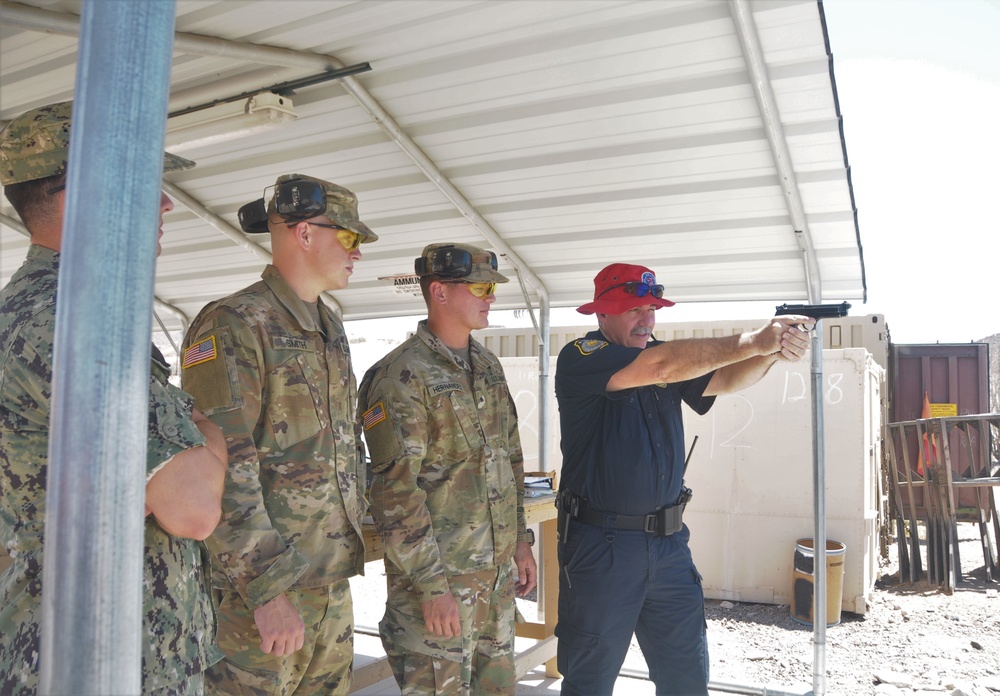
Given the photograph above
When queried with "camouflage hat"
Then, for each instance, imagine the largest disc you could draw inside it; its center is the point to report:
(35, 145)
(292, 202)
(459, 261)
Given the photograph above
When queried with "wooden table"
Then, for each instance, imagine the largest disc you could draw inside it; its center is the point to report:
(540, 511)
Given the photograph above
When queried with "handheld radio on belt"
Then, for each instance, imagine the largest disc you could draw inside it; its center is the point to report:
(690, 452)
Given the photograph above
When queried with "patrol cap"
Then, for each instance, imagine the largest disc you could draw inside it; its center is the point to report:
(458, 261)
(35, 145)
(620, 287)
(298, 197)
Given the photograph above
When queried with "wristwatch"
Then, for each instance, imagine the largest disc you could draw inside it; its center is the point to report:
(527, 537)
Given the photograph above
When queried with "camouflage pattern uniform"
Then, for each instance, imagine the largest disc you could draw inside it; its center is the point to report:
(282, 390)
(178, 619)
(35, 145)
(447, 498)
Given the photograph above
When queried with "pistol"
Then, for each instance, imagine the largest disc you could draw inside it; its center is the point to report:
(816, 311)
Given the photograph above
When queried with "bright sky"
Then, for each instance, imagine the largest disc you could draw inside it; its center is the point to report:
(919, 88)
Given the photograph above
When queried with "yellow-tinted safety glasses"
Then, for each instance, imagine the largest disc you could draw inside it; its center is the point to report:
(480, 290)
(349, 239)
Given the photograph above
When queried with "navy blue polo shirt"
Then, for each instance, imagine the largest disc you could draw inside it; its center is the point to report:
(622, 450)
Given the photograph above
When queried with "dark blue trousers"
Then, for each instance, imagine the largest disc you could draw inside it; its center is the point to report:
(615, 583)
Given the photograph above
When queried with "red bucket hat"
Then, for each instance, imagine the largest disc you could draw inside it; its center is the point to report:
(621, 287)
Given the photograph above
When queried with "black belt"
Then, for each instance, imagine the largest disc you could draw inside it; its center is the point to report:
(663, 522)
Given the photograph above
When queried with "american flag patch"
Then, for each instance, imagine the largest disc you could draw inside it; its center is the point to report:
(374, 415)
(200, 352)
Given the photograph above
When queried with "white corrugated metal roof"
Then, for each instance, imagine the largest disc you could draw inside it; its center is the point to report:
(578, 133)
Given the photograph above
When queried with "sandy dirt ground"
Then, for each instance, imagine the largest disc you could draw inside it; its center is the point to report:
(914, 641)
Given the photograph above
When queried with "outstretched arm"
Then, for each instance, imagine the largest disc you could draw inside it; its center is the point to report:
(746, 373)
(677, 361)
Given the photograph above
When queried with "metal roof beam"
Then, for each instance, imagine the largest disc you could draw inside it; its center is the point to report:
(16, 14)
(746, 29)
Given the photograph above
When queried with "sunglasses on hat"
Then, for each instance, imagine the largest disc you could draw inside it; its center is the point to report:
(638, 289)
(450, 262)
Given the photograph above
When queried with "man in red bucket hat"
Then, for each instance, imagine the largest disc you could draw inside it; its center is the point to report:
(625, 565)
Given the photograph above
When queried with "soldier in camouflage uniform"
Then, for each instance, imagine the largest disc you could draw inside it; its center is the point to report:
(271, 366)
(186, 452)
(447, 495)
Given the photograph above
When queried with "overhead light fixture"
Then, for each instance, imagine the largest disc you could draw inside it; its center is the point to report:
(228, 121)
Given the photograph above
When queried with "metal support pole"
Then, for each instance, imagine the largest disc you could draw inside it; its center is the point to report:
(91, 632)
(819, 521)
(543, 386)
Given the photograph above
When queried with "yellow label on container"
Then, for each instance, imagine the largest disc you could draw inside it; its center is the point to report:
(943, 410)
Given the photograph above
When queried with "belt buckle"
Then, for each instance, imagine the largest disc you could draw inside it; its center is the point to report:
(651, 523)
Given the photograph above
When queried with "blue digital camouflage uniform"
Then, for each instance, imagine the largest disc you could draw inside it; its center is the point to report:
(178, 620)
(447, 498)
(281, 388)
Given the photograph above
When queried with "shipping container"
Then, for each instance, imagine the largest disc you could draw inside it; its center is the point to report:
(865, 331)
(933, 380)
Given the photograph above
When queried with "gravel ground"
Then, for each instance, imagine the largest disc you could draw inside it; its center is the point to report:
(914, 640)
